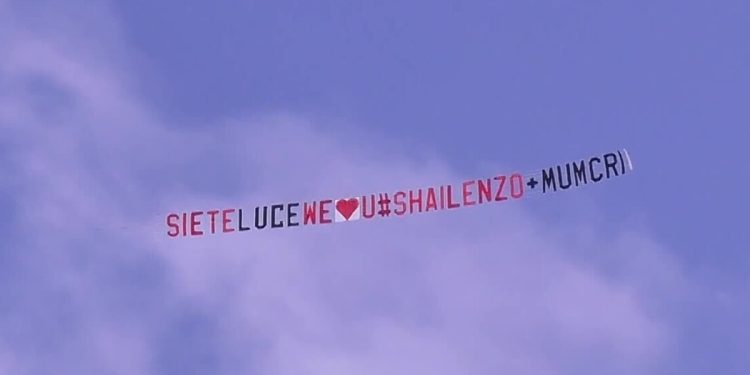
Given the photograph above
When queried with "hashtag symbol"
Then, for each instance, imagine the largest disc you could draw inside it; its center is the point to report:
(384, 203)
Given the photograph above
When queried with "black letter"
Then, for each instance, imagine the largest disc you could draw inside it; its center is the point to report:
(611, 164)
(580, 172)
(548, 180)
(290, 214)
(622, 162)
(591, 169)
(273, 216)
(265, 217)
(559, 176)
(241, 227)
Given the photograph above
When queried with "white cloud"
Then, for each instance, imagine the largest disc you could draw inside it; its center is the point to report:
(7, 361)
(478, 290)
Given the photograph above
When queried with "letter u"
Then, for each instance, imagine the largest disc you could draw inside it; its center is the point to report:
(365, 213)
(560, 178)
(257, 217)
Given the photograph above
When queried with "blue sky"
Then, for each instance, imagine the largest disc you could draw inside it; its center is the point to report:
(526, 83)
(155, 96)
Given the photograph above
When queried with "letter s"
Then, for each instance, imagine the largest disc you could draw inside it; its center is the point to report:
(173, 225)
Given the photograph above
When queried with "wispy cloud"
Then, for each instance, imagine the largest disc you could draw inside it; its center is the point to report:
(484, 290)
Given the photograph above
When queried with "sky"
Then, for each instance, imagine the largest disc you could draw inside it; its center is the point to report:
(114, 114)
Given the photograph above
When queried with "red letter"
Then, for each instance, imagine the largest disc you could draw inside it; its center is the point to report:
(499, 196)
(323, 211)
(450, 198)
(417, 200)
(213, 220)
(467, 193)
(172, 225)
(513, 192)
(194, 223)
(310, 212)
(485, 191)
(431, 201)
(400, 203)
(184, 224)
(225, 220)
(372, 206)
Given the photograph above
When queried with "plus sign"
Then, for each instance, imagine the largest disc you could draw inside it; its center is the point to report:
(532, 183)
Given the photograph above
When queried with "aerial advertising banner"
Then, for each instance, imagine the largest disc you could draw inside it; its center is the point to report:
(492, 189)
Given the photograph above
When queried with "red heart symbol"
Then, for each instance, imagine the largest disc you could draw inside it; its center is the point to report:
(347, 207)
